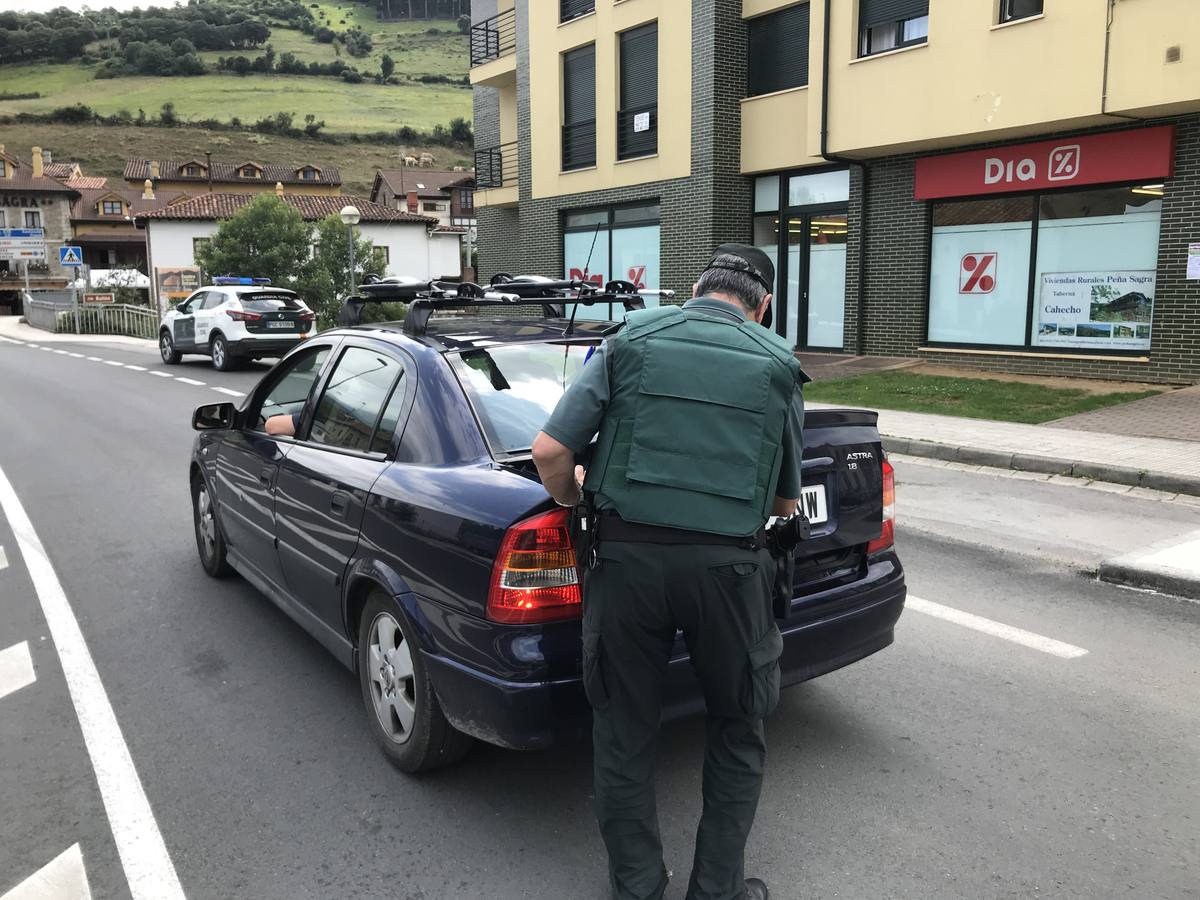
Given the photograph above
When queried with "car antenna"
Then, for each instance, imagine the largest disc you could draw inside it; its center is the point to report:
(575, 307)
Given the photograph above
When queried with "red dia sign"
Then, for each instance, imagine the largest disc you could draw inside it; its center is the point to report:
(1140, 154)
(977, 273)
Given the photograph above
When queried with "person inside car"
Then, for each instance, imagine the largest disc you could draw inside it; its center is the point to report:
(699, 414)
(283, 425)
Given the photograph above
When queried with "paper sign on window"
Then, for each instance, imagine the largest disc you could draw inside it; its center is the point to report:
(641, 122)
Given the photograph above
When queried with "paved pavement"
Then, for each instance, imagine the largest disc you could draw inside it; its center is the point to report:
(1030, 733)
(827, 366)
(1174, 415)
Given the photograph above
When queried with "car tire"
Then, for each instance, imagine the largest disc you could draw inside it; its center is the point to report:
(222, 359)
(166, 348)
(210, 542)
(403, 711)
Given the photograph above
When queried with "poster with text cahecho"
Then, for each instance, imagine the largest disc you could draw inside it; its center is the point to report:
(1095, 310)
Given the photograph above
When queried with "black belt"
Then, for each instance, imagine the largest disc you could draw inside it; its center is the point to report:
(611, 527)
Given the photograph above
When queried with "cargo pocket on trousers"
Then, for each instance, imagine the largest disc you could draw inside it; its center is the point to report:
(593, 672)
(760, 691)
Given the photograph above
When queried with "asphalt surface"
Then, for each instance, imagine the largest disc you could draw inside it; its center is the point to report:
(957, 763)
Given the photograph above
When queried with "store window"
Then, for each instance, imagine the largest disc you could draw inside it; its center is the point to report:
(1063, 269)
(622, 242)
(890, 24)
(777, 51)
(1011, 10)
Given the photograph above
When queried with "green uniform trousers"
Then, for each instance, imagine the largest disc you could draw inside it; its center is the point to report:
(635, 598)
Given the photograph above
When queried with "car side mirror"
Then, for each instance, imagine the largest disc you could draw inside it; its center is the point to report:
(213, 415)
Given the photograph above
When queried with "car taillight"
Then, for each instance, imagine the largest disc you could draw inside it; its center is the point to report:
(534, 579)
(887, 535)
(308, 316)
(239, 316)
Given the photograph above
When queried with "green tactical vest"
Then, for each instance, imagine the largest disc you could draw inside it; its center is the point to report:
(693, 434)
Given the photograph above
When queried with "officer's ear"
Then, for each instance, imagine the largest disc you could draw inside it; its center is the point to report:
(762, 315)
(696, 289)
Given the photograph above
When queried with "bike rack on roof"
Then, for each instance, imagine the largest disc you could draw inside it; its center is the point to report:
(426, 297)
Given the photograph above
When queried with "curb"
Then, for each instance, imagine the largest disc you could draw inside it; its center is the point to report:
(1047, 465)
(1128, 572)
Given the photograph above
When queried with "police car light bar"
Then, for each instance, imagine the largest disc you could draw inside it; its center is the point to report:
(231, 279)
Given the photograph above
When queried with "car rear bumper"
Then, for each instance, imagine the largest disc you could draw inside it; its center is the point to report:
(272, 346)
(859, 621)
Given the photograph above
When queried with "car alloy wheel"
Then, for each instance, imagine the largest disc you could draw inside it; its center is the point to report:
(166, 349)
(206, 523)
(218, 353)
(393, 686)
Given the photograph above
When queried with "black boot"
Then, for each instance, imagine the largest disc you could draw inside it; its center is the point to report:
(756, 889)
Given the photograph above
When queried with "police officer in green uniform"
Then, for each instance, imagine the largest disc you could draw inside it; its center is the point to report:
(699, 413)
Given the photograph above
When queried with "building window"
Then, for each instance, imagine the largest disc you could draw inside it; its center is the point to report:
(3, 169)
(777, 51)
(198, 247)
(112, 208)
(33, 218)
(192, 171)
(608, 243)
(890, 24)
(1011, 10)
(466, 198)
(250, 172)
(431, 206)
(308, 174)
(1066, 269)
(381, 255)
(2, 225)
(637, 119)
(579, 108)
(573, 9)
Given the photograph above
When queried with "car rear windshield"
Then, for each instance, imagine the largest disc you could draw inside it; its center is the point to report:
(262, 302)
(514, 389)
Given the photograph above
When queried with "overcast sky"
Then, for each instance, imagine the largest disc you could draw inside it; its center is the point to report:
(47, 5)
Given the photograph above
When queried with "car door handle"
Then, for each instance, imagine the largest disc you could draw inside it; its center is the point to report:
(339, 503)
(267, 475)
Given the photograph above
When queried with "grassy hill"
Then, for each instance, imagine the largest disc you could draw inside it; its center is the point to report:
(103, 151)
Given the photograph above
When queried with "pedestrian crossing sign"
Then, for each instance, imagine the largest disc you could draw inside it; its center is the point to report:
(70, 256)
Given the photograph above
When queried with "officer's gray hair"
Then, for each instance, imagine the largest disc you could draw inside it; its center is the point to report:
(741, 285)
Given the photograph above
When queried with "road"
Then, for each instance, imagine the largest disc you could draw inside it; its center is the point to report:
(958, 763)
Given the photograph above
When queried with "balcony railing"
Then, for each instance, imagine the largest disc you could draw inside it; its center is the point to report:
(637, 132)
(493, 38)
(573, 9)
(496, 166)
(579, 145)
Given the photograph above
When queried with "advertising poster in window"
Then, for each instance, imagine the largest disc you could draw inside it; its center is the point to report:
(1095, 310)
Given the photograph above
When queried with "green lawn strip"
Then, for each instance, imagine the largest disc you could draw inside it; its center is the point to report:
(975, 398)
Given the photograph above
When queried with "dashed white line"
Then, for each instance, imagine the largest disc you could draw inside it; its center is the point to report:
(94, 359)
(3, 560)
(112, 362)
(135, 368)
(61, 352)
(47, 349)
(76, 355)
(996, 629)
(189, 381)
(16, 669)
(148, 868)
(161, 374)
(230, 391)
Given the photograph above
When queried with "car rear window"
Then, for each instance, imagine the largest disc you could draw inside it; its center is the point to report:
(258, 301)
(514, 389)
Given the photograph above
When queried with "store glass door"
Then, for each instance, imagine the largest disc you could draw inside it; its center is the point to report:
(814, 304)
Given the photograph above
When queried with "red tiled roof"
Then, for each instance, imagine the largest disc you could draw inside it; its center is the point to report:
(23, 180)
(87, 182)
(61, 170)
(207, 207)
(426, 182)
(84, 209)
(168, 170)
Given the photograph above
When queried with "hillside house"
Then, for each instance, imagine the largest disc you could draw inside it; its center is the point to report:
(246, 176)
(29, 198)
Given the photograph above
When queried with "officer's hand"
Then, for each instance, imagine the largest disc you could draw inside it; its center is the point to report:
(580, 474)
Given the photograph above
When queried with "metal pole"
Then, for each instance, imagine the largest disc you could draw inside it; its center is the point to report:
(350, 231)
(27, 279)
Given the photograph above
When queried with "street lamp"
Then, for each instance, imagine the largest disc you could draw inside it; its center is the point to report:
(350, 215)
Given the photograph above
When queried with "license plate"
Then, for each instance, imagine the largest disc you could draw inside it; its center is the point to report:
(812, 503)
(287, 325)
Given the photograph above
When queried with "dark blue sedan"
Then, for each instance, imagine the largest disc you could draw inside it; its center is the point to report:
(404, 526)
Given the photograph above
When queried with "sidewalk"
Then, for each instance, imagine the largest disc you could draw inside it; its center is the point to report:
(14, 327)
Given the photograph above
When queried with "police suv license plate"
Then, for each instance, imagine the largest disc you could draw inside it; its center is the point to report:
(812, 503)
(284, 324)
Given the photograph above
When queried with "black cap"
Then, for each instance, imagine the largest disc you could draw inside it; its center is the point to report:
(757, 264)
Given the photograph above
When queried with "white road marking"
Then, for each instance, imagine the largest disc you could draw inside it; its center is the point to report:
(161, 374)
(189, 381)
(230, 391)
(76, 355)
(111, 362)
(16, 669)
(995, 629)
(61, 352)
(35, 346)
(135, 368)
(47, 349)
(3, 560)
(94, 359)
(63, 878)
(148, 867)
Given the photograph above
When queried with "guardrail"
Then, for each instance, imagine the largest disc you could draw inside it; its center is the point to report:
(496, 166)
(494, 37)
(92, 318)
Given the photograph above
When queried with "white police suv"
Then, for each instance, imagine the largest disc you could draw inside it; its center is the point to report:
(235, 319)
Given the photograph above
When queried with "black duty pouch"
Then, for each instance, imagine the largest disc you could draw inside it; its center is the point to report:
(782, 539)
(582, 527)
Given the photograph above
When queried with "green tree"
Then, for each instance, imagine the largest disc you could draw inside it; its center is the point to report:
(387, 66)
(326, 278)
(266, 238)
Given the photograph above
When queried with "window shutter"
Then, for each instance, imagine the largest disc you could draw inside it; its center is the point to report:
(778, 51)
(880, 12)
(579, 85)
(639, 67)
